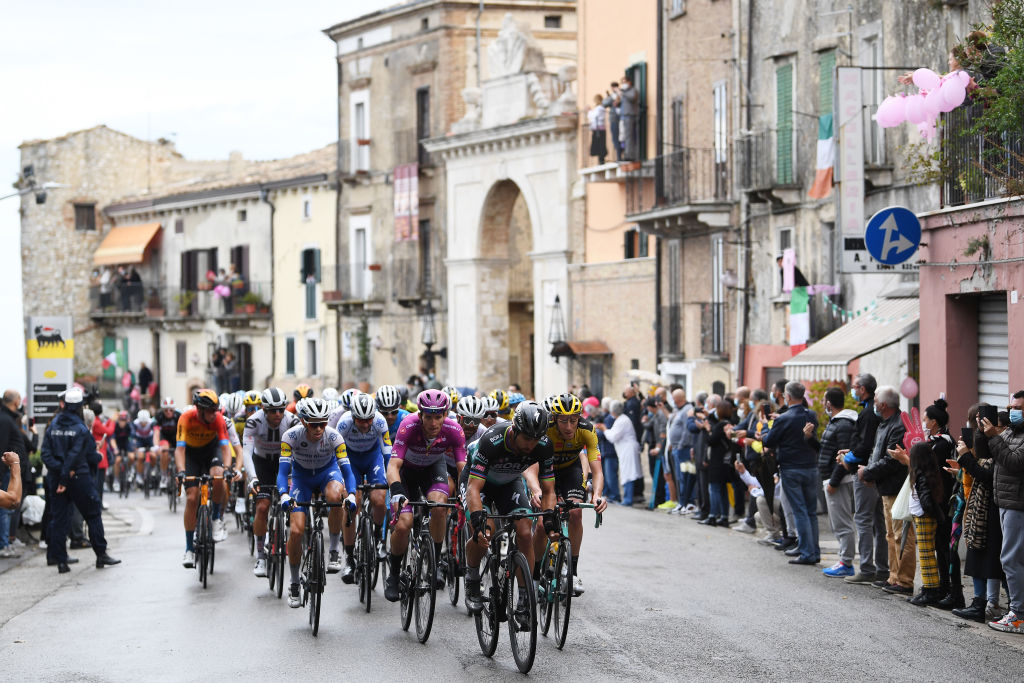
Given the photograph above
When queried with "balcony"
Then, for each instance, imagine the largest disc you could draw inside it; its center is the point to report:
(410, 281)
(612, 170)
(976, 167)
(354, 156)
(770, 164)
(695, 192)
(116, 303)
(237, 306)
(408, 148)
(352, 286)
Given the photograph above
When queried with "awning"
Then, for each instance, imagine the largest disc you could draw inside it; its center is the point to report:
(890, 321)
(126, 244)
(590, 348)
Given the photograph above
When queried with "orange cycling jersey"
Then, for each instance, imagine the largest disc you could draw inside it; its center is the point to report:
(195, 433)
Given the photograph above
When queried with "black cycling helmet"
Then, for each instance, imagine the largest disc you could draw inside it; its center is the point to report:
(530, 419)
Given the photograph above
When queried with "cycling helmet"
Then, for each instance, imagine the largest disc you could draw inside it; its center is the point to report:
(143, 416)
(123, 415)
(433, 401)
(333, 404)
(168, 402)
(363, 407)
(273, 398)
(530, 420)
(515, 398)
(313, 410)
(471, 407)
(303, 391)
(453, 394)
(346, 398)
(547, 402)
(232, 404)
(566, 404)
(403, 391)
(501, 398)
(252, 398)
(490, 405)
(206, 398)
(329, 394)
(388, 398)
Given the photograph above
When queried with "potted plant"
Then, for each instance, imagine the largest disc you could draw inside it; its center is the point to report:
(250, 301)
(184, 301)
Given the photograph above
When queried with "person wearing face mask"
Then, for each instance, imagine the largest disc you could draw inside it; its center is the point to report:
(838, 481)
(1007, 451)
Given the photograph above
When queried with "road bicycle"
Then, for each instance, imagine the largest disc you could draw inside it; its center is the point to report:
(150, 473)
(555, 592)
(453, 553)
(172, 491)
(313, 575)
(367, 561)
(203, 544)
(277, 537)
(507, 592)
(416, 582)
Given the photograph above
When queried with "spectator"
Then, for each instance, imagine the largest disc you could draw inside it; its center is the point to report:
(629, 115)
(719, 463)
(633, 409)
(745, 404)
(612, 102)
(134, 290)
(1007, 450)
(868, 515)
(102, 431)
(887, 474)
(232, 375)
(11, 440)
(10, 493)
(838, 480)
(697, 425)
(106, 288)
(609, 457)
(219, 373)
(770, 514)
(70, 454)
(655, 422)
(623, 436)
(678, 445)
(145, 378)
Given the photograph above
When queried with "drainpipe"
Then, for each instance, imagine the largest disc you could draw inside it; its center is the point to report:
(659, 180)
(745, 247)
(337, 232)
(264, 197)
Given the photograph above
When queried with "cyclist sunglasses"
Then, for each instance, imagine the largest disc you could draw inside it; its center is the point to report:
(470, 423)
(273, 411)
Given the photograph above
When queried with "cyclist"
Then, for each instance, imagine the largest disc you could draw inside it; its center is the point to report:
(501, 398)
(389, 402)
(575, 443)
(202, 447)
(408, 405)
(261, 447)
(470, 412)
(231, 406)
(417, 470)
(302, 391)
(454, 396)
(490, 417)
(313, 455)
(167, 428)
(508, 454)
(122, 440)
(514, 399)
(366, 438)
(142, 427)
(251, 402)
(330, 394)
(345, 401)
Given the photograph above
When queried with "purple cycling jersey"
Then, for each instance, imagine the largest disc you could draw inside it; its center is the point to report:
(412, 448)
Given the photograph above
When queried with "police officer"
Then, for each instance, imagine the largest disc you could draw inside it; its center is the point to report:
(69, 452)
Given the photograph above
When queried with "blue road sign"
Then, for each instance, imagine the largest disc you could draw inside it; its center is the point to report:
(892, 235)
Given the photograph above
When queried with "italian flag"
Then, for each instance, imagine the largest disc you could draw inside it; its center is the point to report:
(799, 320)
(110, 360)
(822, 186)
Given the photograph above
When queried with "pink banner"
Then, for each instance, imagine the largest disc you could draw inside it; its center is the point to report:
(406, 184)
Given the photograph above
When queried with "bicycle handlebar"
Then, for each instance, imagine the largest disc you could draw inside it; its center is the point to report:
(319, 504)
(568, 505)
(364, 488)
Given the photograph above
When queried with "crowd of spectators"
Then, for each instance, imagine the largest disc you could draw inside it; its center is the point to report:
(614, 118)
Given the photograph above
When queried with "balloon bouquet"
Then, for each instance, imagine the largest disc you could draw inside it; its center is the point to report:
(936, 94)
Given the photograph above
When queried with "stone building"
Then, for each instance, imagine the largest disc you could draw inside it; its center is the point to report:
(406, 74)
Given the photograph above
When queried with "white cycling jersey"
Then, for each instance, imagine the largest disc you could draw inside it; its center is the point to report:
(358, 442)
(336, 415)
(260, 440)
(298, 449)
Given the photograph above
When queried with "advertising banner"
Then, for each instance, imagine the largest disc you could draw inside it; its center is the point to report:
(50, 350)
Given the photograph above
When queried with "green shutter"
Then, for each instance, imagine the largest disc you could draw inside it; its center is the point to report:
(289, 355)
(316, 265)
(827, 64)
(310, 301)
(784, 124)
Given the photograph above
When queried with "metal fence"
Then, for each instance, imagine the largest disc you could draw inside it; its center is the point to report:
(688, 176)
(352, 282)
(772, 158)
(215, 301)
(975, 166)
(118, 298)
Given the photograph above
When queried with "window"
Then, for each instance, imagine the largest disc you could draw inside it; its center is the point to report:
(311, 357)
(784, 174)
(240, 260)
(874, 91)
(360, 132)
(720, 114)
(677, 8)
(241, 215)
(635, 244)
(181, 357)
(307, 209)
(85, 217)
(422, 122)
(289, 355)
(784, 241)
(310, 299)
(426, 269)
(678, 132)
(179, 226)
(424, 23)
(310, 265)
(553, 21)
(826, 72)
(714, 333)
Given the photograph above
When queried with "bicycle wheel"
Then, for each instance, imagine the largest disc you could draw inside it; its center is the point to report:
(200, 543)
(367, 560)
(212, 548)
(562, 592)
(315, 579)
(522, 612)
(544, 595)
(380, 566)
(172, 492)
(123, 481)
(425, 588)
(453, 566)
(406, 584)
(487, 618)
(282, 542)
(145, 480)
(272, 549)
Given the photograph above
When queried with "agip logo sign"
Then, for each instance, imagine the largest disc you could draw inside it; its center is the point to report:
(50, 350)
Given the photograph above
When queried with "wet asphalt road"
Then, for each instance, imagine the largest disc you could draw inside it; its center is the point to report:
(666, 600)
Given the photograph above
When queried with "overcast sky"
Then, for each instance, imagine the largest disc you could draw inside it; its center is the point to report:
(214, 76)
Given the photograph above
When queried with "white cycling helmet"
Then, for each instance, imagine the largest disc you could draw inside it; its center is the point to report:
(471, 407)
(313, 409)
(274, 398)
(388, 398)
(330, 394)
(346, 398)
(363, 407)
(144, 416)
(453, 394)
(491, 404)
(168, 402)
(231, 403)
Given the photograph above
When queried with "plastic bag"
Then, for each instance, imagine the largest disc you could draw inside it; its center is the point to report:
(32, 510)
(901, 506)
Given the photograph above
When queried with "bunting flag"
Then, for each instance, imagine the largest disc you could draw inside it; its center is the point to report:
(110, 360)
(822, 186)
(799, 320)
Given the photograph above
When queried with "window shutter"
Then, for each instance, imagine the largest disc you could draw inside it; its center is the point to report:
(181, 357)
(827, 66)
(784, 124)
(289, 354)
(316, 264)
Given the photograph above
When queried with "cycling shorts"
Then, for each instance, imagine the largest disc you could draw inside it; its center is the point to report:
(307, 482)
(368, 466)
(501, 499)
(266, 475)
(142, 442)
(453, 471)
(199, 460)
(420, 481)
(569, 484)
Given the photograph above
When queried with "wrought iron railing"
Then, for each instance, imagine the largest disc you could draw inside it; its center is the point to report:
(976, 166)
(771, 158)
(687, 175)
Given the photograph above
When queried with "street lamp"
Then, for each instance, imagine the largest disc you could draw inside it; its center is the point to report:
(429, 337)
(556, 333)
(40, 191)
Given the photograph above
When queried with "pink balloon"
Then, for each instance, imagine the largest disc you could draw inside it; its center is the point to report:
(943, 91)
(926, 79)
(915, 109)
(891, 112)
(953, 93)
(964, 77)
(933, 102)
(909, 388)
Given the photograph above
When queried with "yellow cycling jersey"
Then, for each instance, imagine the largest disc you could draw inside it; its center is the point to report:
(239, 421)
(567, 452)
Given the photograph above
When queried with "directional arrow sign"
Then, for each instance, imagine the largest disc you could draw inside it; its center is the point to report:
(893, 235)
